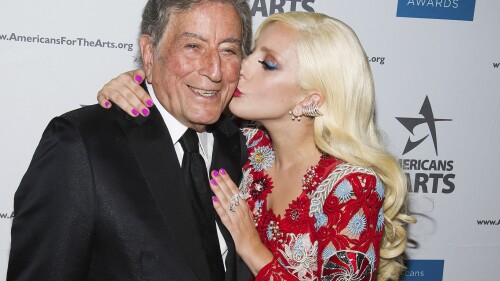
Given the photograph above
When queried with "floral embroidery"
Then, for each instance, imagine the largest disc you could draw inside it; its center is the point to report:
(328, 252)
(332, 231)
(371, 255)
(321, 220)
(318, 197)
(269, 232)
(301, 255)
(274, 233)
(262, 158)
(296, 216)
(258, 204)
(260, 185)
(379, 189)
(343, 191)
(314, 175)
(249, 134)
(257, 211)
(380, 220)
(357, 224)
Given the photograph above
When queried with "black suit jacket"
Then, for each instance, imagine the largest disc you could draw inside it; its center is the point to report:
(104, 199)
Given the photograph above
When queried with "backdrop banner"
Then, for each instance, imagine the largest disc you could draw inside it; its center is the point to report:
(437, 74)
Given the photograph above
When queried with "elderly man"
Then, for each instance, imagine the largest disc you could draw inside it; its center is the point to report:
(107, 197)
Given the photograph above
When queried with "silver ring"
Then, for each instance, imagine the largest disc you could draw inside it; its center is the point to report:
(243, 196)
(233, 202)
(234, 199)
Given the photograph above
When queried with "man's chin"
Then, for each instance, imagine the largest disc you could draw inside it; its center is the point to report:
(200, 125)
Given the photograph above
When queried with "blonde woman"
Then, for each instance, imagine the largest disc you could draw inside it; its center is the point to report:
(321, 198)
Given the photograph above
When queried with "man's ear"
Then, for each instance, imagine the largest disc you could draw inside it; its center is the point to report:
(147, 55)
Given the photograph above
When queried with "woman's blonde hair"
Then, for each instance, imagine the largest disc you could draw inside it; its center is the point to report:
(333, 62)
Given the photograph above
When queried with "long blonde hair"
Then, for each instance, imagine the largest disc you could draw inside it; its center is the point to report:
(333, 62)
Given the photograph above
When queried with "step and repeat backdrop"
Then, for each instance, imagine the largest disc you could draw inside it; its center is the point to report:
(437, 72)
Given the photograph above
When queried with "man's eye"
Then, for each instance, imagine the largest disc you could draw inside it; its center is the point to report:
(192, 46)
(230, 51)
(268, 65)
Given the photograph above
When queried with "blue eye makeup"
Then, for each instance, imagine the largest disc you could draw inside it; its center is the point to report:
(268, 65)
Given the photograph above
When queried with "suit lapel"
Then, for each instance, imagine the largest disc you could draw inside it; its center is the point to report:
(153, 148)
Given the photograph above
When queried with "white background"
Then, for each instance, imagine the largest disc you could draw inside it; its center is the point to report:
(451, 62)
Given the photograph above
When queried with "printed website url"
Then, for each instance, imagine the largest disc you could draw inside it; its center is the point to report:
(496, 64)
(65, 41)
(379, 60)
(488, 222)
(7, 215)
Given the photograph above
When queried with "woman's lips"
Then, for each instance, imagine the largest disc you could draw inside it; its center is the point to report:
(237, 93)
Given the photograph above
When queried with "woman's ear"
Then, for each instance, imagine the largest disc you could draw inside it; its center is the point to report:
(147, 56)
(313, 98)
(309, 105)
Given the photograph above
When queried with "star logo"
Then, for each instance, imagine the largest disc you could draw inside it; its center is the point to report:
(428, 118)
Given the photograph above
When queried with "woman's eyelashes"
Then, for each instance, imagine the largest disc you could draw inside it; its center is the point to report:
(268, 65)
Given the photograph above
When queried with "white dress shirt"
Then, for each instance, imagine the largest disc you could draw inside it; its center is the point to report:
(176, 130)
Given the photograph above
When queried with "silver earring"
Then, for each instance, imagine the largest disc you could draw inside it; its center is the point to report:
(294, 116)
(311, 110)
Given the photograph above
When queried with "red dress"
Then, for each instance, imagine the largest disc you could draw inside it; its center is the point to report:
(332, 231)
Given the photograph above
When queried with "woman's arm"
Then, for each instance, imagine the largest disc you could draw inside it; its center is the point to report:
(126, 92)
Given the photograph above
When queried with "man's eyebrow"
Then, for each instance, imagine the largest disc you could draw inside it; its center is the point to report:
(191, 35)
(197, 36)
(232, 40)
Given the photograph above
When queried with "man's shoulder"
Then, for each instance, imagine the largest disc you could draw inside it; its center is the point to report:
(96, 116)
(89, 113)
(92, 121)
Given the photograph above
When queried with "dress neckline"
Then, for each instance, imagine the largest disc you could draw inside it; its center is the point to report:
(310, 180)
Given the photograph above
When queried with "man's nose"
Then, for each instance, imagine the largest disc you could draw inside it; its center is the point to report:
(211, 66)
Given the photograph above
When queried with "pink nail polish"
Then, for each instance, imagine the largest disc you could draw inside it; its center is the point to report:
(222, 171)
(107, 104)
(214, 173)
(212, 181)
(145, 112)
(135, 112)
(214, 199)
(149, 103)
(138, 78)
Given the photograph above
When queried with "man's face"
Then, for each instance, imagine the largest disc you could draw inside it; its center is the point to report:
(196, 68)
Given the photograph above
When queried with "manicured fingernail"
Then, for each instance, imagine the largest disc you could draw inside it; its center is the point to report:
(149, 103)
(214, 199)
(138, 78)
(135, 112)
(212, 181)
(107, 104)
(214, 173)
(145, 112)
(222, 171)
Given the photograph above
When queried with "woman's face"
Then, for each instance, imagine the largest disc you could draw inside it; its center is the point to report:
(268, 86)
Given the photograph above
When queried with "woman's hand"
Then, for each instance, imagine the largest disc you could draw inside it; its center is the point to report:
(126, 92)
(237, 217)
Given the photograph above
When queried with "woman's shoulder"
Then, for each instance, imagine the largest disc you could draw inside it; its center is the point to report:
(345, 178)
(346, 182)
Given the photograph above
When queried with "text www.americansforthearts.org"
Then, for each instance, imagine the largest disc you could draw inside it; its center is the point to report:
(488, 222)
(65, 41)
